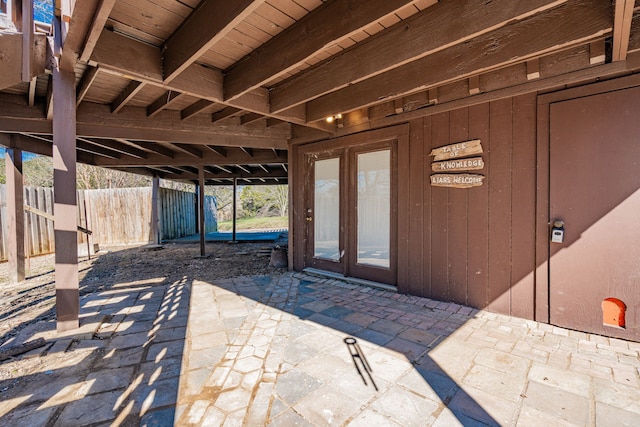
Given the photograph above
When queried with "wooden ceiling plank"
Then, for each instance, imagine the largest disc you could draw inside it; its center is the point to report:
(206, 25)
(284, 52)
(418, 37)
(571, 24)
(195, 108)
(622, 28)
(86, 81)
(126, 95)
(163, 101)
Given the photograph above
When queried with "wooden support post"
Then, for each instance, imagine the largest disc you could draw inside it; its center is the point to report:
(15, 211)
(65, 205)
(27, 39)
(201, 224)
(235, 207)
(155, 212)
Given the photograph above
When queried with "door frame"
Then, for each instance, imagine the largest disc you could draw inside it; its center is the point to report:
(542, 306)
(301, 176)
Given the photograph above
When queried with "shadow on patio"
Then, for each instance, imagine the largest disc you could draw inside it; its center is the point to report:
(179, 344)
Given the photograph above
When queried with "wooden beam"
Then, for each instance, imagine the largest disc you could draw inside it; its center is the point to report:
(89, 147)
(86, 81)
(283, 53)
(163, 101)
(78, 23)
(243, 169)
(247, 151)
(209, 175)
(417, 35)
(188, 149)
(15, 214)
(224, 113)
(154, 148)
(118, 147)
(11, 64)
(209, 23)
(96, 121)
(234, 157)
(95, 29)
(223, 169)
(584, 76)
(250, 118)
(127, 94)
(37, 144)
(136, 60)
(575, 23)
(622, 28)
(195, 108)
(221, 151)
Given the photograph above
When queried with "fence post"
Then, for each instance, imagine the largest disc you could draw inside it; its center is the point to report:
(15, 211)
(155, 217)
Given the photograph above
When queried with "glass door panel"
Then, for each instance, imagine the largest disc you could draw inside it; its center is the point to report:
(327, 209)
(374, 208)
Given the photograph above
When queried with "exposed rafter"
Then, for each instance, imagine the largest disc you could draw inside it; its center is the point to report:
(284, 52)
(163, 101)
(211, 21)
(418, 36)
(570, 25)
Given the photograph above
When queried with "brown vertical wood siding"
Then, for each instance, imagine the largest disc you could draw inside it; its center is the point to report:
(475, 246)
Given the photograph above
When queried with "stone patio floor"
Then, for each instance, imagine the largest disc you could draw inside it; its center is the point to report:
(296, 350)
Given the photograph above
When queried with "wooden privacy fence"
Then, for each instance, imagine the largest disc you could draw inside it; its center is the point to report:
(115, 216)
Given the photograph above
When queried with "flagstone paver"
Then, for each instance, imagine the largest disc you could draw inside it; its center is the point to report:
(271, 350)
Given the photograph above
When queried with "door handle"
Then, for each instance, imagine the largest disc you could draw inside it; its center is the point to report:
(309, 219)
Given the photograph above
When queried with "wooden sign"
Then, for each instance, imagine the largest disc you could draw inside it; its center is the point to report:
(459, 149)
(463, 180)
(472, 163)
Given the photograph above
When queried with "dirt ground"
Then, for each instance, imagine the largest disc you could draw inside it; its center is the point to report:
(33, 299)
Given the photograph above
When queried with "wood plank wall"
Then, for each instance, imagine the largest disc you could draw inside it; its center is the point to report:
(475, 246)
(116, 216)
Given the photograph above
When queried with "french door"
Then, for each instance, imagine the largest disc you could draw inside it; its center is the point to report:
(350, 211)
